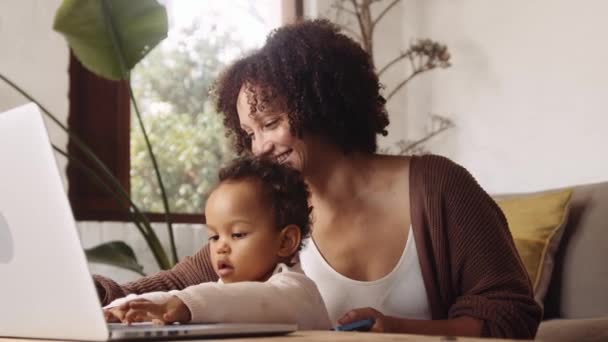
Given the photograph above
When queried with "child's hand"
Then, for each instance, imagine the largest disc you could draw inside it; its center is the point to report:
(171, 311)
(116, 314)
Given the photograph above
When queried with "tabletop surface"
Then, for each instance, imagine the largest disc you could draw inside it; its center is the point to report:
(319, 336)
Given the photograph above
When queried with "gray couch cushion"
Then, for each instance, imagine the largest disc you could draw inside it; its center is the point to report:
(579, 285)
(574, 330)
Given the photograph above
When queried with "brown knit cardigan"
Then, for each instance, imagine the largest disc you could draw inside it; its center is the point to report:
(468, 259)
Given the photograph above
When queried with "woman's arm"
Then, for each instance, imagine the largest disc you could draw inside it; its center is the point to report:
(487, 279)
(190, 271)
(461, 326)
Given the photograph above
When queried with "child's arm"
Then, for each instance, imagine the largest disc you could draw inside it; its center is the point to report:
(190, 271)
(287, 297)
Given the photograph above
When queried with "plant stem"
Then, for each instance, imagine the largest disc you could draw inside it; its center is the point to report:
(395, 60)
(123, 69)
(151, 239)
(159, 179)
(402, 83)
(426, 138)
(388, 8)
(27, 96)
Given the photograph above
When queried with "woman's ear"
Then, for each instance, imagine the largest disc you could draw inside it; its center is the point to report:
(289, 238)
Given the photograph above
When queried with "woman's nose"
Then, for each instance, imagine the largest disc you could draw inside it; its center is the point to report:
(261, 146)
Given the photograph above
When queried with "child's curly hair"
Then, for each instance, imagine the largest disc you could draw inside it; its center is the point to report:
(325, 81)
(283, 189)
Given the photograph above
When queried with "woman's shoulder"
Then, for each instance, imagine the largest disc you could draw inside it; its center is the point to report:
(422, 169)
(420, 163)
(433, 162)
(437, 174)
(436, 167)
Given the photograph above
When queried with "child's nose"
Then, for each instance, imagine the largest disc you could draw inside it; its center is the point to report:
(224, 247)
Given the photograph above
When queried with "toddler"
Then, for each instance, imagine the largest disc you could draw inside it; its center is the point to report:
(256, 219)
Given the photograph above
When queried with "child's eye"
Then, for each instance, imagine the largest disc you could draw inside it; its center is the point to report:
(213, 238)
(239, 235)
(251, 136)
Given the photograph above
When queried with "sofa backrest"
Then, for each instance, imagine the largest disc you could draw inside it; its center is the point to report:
(579, 284)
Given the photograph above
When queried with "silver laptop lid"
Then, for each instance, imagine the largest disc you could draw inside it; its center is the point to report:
(46, 291)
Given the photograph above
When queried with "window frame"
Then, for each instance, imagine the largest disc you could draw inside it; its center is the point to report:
(99, 114)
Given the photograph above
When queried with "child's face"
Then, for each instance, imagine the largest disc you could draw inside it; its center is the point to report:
(243, 238)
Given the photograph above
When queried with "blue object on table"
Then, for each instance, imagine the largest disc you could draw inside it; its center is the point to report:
(362, 325)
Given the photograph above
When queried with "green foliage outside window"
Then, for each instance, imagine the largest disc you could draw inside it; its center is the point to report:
(172, 84)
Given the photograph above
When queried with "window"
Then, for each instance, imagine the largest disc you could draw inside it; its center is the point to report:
(170, 85)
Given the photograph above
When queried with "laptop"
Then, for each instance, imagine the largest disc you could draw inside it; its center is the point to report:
(46, 290)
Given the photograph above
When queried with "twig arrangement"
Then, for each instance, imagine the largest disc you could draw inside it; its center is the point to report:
(422, 55)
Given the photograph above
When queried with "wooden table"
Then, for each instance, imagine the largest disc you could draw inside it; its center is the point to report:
(337, 336)
(341, 336)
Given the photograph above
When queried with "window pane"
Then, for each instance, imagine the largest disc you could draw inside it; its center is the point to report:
(171, 86)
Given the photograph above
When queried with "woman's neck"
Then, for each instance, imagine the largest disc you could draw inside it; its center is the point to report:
(337, 178)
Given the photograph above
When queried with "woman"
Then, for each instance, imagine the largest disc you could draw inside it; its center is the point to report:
(412, 242)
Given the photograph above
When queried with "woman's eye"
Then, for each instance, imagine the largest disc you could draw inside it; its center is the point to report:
(251, 136)
(239, 235)
(214, 238)
(271, 124)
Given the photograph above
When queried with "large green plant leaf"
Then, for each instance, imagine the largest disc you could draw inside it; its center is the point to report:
(140, 25)
(115, 253)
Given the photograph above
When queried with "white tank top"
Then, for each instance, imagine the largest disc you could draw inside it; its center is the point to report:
(400, 293)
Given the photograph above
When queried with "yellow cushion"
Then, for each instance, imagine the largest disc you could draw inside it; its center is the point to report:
(537, 223)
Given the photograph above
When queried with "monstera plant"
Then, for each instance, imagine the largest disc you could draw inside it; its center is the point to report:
(109, 37)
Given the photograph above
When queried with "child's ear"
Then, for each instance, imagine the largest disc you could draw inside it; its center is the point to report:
(290, 237)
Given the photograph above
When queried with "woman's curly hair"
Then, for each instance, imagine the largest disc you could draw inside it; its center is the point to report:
(283, 189)
(325, 81)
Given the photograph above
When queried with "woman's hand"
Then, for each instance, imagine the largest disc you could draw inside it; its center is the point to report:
(169, 312)
(459, 326)
(382, 323)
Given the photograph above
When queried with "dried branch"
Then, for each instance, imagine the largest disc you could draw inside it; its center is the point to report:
(402, 83)
(366, 35)
(407, 147)
(423, 55)
(339, 7)
(397, 59)
(388, 8)
(352, 32)
(412, 64)
(429, 54)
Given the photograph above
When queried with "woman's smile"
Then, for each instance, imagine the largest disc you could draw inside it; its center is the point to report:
(282, 157)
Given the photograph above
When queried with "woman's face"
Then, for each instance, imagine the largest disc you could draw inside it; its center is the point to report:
(270, 132)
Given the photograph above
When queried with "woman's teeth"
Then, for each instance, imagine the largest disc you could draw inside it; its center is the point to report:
(282, 157)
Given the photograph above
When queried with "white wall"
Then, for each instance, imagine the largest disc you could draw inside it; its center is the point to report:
(527, 89)
(36, 58)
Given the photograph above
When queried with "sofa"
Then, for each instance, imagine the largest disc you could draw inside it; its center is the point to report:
(576, 303)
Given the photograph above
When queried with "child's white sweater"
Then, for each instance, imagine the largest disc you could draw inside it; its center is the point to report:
(288, 296)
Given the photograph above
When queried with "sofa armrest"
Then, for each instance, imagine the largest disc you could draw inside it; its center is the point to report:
(579, 330)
